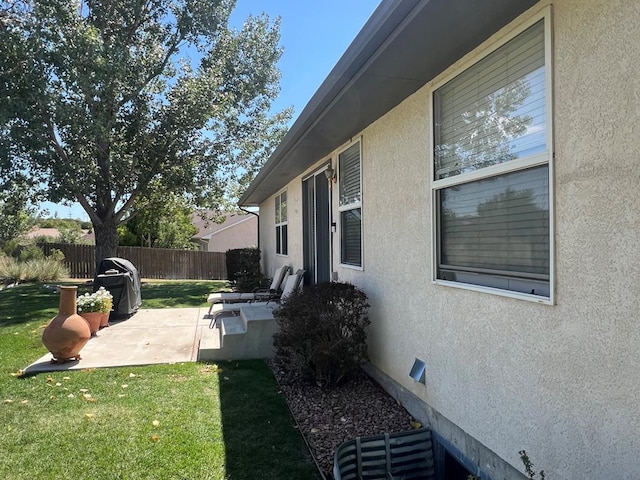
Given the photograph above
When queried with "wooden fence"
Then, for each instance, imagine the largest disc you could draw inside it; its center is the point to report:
(150, 262)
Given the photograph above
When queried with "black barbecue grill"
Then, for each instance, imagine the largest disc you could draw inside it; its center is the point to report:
(122, 279)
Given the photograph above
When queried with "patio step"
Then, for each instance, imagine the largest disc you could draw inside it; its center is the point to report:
(246, 335)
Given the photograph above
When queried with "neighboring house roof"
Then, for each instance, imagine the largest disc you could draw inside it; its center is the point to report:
(43, 232)
(207, 229)
(403, 45)
(86, 236)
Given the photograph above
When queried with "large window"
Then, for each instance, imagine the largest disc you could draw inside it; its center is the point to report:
(350, 206)
(282, 247)
(491, 170)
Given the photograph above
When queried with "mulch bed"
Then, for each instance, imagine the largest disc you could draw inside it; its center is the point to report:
(327, 418)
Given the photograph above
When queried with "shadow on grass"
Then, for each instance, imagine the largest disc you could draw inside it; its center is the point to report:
(178, 294)
(254, 413)
(26, 303)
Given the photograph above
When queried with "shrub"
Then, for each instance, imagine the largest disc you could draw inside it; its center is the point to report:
(35, 270)
(31, 252)
(44, 270)
(11, 247)
(322, 332)
(56, 254)
(10, 270)
(243, 268)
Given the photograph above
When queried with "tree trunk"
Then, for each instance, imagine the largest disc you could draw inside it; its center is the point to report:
(106, 239)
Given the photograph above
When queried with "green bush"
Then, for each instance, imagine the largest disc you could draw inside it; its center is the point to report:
(34, 270)
(322, 332)
(56, 254)
(31, 252)
(10, 270)
(44, 270)
(243, 268)
(11, 248)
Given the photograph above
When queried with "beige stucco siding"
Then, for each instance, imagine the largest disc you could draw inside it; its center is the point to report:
(294, 258)
(240, 235)
(560, 381)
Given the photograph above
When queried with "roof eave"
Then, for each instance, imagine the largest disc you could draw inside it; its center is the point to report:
(403, 45)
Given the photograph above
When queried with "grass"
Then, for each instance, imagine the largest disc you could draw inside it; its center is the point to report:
(173, 293)
(182, 421)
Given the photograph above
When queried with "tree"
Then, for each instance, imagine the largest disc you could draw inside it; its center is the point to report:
(160, 222)
(14, 213)
(106, 101)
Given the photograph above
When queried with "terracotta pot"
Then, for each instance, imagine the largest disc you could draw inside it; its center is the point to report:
(67, 332)
(104, 320)
(94, 320)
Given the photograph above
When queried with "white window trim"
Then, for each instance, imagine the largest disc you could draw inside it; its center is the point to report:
(351, 206)
(547, 158)
(286, 222)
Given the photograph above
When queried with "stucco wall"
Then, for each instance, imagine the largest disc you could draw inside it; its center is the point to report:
(240, 235)
(560, 381)
(294, 258)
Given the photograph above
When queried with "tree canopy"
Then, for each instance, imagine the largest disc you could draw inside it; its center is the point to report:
(112, 102)
(160, 222)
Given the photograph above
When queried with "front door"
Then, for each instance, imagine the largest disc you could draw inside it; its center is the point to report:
(316, 205)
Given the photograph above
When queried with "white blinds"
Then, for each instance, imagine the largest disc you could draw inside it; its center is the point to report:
(351, 237)
(349, 164)
(494, 111)
(499, 225)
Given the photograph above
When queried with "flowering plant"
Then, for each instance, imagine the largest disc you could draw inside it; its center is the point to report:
(100, 301)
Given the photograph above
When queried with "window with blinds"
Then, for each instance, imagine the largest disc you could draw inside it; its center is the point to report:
(282, 247)
(350, 206)
(491, 173)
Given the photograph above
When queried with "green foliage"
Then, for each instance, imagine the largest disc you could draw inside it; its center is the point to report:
(12, 247)
(102, 106)
(61, 223)
(528, 466)
(45, 270)
(322, 332)
(31, 252)
(10, 270)
(32, 270)
(44, 239)
(126, 237)
(243, 268)
(161, 221)
(14, 213)
(56, 254)
(70, 234)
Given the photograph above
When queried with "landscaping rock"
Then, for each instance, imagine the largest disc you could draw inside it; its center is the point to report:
(327, 418)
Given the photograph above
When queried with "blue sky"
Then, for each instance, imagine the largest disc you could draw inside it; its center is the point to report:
(314, 36)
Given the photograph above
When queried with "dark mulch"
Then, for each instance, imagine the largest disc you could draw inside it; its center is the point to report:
(327, 418)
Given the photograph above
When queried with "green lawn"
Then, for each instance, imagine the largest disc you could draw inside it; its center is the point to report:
(184, 421)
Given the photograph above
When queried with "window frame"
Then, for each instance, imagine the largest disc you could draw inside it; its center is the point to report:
(540, 159)
(351, 206)
(279, 225)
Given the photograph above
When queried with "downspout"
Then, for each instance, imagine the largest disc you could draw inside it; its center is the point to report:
(258, 217)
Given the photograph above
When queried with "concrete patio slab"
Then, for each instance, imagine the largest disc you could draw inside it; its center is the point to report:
(168, 335)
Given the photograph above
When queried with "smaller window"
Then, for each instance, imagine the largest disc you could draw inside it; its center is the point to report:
(350, 206)
(282, 247)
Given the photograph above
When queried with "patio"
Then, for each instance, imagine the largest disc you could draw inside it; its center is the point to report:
(171, 335)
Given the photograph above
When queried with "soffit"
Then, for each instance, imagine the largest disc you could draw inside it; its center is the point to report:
(404, 44)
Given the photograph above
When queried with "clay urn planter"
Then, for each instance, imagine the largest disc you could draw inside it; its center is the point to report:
(94, 319)
(67, 332)
(104, 320)
(95, 307)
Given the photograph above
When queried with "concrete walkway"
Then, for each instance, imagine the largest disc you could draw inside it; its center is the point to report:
(168, 335)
